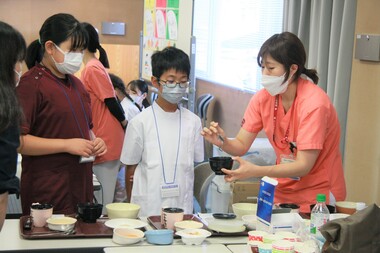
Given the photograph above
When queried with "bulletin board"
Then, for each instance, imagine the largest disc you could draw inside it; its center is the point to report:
(166, 23)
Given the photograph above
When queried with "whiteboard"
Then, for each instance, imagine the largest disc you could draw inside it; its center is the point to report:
(166, 23)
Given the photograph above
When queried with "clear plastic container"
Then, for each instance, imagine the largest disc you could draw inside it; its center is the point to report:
(319, 216)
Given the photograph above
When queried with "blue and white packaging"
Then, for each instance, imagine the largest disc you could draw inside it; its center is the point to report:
(265, 203)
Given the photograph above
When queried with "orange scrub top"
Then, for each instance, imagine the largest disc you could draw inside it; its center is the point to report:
(313, 124)
(106, 126)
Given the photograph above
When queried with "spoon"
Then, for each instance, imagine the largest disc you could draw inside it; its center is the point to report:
(55, 232)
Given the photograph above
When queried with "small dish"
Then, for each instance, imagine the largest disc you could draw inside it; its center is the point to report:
(126, 223)
(250, 221)
(187, 224)
(122, 210)
(225, 226)
(241, 209)
(334, 216)
(193, 236)
(125, 236)
(61, 223)
(346, 207)
(89, 212)
(226, 216)
(160, 236)
(219, 162)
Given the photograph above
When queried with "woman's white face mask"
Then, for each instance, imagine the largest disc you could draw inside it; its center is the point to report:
(137, 99)
(275, 84)
(71, 63)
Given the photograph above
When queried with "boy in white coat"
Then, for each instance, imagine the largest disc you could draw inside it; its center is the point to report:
(162, 142)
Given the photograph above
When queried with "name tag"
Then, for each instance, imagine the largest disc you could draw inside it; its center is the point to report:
(169, 190)
(84, 159)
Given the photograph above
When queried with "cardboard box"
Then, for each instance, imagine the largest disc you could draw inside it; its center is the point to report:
(245, 191)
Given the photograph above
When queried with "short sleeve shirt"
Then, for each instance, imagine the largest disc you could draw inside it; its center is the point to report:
(56, 109)
(106, 126)
(313, 125)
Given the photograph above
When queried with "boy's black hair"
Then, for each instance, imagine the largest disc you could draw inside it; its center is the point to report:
(170, 58)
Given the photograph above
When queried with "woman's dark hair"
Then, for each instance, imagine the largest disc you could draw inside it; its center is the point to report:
(143, 87)
(119, 84)
(94, 44)
(170, 58)
(57, 28)
(12, 50)
(287, 49)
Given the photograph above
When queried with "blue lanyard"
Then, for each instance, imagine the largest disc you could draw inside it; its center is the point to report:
(69, 101)
(159, 145)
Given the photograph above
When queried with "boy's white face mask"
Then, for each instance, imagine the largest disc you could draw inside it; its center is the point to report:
(275, 84)
(71, 62)
(173, 95)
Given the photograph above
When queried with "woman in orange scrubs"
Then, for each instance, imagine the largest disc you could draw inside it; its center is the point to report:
(300, 122)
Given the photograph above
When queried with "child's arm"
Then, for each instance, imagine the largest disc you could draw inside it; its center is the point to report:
(129, 172)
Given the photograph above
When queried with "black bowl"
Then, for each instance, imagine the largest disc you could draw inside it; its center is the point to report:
(219, 162)
(89, 212)
(330, 207)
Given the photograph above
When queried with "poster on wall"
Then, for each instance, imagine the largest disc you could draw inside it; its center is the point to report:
(160, 29)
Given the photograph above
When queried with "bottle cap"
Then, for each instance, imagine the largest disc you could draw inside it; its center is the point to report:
(321, 197)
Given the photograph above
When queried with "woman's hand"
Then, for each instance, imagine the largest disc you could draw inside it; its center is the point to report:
(214, 134)
(99, 147)
(245, 170)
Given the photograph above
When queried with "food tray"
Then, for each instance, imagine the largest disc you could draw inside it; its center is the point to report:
(82, 230)
(155, 222)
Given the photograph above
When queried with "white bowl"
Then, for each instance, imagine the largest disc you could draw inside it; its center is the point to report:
(61, 223)
(187, 224)
(225, 226)
(125, 236)
(193, 236)
(122, 210)
(250, 221)
(334, 216)
(241, 209)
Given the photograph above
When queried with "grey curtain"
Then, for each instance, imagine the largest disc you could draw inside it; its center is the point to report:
(326, 27)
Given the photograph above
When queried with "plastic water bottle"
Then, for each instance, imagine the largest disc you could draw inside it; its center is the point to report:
(319, 216)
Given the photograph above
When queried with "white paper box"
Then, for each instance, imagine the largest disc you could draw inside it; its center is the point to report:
(282, 222)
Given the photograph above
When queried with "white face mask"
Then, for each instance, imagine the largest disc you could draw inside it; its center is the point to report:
(19, 76)
(137, 99)
(173, 95)
(275, 84)
(71, 62)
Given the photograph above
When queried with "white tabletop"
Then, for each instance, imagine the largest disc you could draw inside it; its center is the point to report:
(10, 240)
(239, 248)
(204, 248)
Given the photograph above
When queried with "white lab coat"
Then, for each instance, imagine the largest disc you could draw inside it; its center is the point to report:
(141, 147)
(130, 109)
